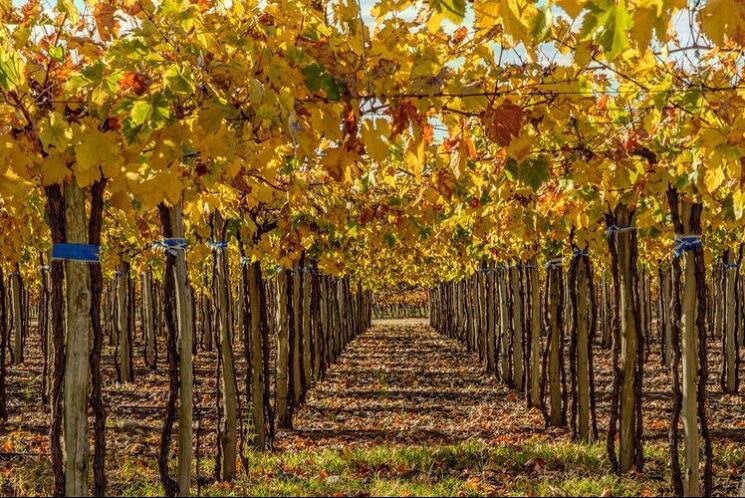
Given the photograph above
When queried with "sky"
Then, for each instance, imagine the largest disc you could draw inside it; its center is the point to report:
(680, 23)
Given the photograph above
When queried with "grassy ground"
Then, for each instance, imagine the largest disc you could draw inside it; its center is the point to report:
(405, 412)
(535, 468)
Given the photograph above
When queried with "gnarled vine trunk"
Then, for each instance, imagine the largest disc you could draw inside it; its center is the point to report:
(628, 344)
(690, 401)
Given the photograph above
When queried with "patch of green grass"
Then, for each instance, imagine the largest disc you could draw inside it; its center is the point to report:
(28, 477)
(427, 471)
(28, 393)
(730, 455)
(581, 486)
(533, 467)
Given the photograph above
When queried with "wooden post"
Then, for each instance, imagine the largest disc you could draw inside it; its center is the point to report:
(730, 373)
(627, 377)
(307, 332)
(665, 316)
(318, 324)
(607, 333)
(296, 351)
(582, 345)
(689, 349)
(16, 306)
(122, 324)
(491, 329)
(554, 345)
(518, 330)
(534, 398)
(504, 329)
(283, 349)
(229, 391)
(148, 319)
(77, 348)
(185, 339)
(253, 275)
(3, 348)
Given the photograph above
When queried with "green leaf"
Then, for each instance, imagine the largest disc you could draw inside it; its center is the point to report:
(313, 75)
(533, 172)
(161, 111)
(541, 24)
(177, 82)
(317, 79)
(57, 53)
(453, 10)
(140, 112)
(68, 7)
(609, 22)
(390, 240)
(536, 172)
(11, 70)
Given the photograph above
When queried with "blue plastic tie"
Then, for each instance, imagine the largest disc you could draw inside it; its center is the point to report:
(172, 246)
(84, 253)
(613, 229)
(554, 262)
(685, 243)
(526, 267)
(217, 246)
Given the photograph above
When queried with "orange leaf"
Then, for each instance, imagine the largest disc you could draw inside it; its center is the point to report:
(503, 124)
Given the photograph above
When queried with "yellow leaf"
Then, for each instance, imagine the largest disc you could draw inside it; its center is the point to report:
(68, 7)
(120, 200)
(644, 22)
(722, 19)
(54, 169)
(376, 147)
(433, 24)
(97, 149)
(713, 178)
(517, 19)
(487, 13)
(572, 7)
(55, 132)
(108, 26)
(738, 202)
(171, 186)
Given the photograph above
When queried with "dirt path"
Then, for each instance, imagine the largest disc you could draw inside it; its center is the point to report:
(401, 383)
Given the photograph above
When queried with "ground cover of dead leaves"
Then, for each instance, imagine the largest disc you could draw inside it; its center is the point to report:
(400, 385)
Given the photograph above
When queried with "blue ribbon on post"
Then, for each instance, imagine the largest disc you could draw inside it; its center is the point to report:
(173, 246)
(217, 246)
(685, 243)
(84, 253)
(554, 262)
(614, 229)
(521, 266)
(577, 253)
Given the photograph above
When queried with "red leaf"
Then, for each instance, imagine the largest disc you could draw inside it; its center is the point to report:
(503, 124)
